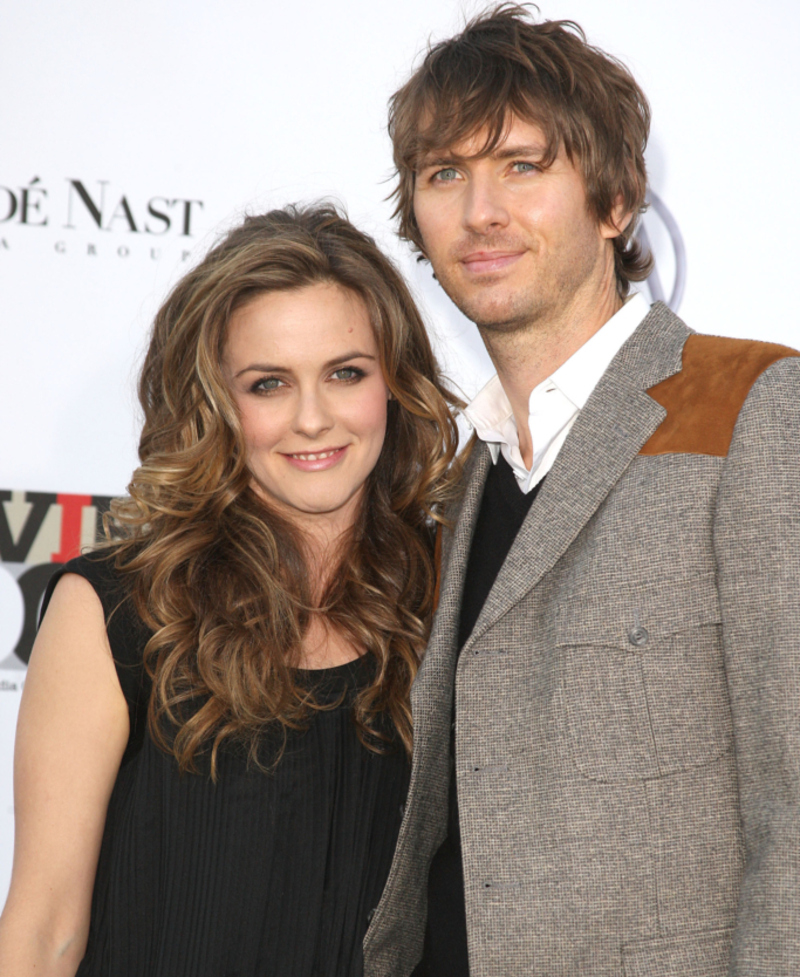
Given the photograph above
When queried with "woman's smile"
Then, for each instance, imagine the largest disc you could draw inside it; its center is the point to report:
(319, 460)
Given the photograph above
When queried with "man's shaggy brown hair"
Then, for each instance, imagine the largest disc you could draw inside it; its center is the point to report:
(503, 65)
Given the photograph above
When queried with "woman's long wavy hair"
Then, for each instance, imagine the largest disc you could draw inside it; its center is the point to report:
(220, 577)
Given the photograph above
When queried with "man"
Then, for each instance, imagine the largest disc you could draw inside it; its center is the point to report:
(613, 675)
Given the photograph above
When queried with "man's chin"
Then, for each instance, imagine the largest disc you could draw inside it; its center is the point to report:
(492, 306)
(500, 316)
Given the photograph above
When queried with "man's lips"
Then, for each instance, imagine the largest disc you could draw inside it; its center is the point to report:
(316, 461)
(480, 262)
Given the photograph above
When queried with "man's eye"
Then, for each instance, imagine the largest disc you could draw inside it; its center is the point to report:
(522, 166)
(446, 175)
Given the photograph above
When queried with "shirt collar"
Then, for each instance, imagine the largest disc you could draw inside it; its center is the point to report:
(489, 412)
(580, 374)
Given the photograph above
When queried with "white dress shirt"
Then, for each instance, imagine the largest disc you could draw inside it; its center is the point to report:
(555, 403)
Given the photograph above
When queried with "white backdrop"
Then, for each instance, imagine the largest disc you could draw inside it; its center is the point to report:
(134, 132)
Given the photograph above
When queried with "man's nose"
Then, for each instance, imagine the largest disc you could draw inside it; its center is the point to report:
(312, 416)
(484, 205)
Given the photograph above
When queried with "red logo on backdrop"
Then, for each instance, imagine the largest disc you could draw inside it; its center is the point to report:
(39, 532)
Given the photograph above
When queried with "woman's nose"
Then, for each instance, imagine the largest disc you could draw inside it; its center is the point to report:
(312, 417)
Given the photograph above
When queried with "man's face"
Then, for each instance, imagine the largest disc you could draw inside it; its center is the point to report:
(511, 243)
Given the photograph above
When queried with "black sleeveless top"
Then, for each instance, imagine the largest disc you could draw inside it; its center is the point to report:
(259, 875)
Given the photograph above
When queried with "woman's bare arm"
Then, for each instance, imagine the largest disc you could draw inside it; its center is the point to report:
(72, 731)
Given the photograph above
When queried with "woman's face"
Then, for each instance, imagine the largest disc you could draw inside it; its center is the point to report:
(304, 370)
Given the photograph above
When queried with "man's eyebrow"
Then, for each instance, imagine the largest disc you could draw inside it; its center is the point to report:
(535, 150)
(506, 152)
(425, 161)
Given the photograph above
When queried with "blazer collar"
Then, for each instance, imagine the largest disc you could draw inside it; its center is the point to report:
(436, 671)
(617, 420)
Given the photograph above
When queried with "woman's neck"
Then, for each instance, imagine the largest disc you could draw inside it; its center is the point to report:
(325, 647)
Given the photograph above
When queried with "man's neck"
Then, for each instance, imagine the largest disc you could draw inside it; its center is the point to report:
(527, 356)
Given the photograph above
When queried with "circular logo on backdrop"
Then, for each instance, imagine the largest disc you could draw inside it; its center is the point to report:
(12, 613)
(658, 233)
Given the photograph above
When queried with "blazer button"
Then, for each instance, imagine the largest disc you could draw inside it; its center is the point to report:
(638, 636)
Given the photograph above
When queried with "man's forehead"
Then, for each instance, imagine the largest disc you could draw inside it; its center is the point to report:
(518, 138)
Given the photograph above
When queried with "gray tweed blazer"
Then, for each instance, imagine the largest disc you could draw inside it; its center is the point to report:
(628, 704)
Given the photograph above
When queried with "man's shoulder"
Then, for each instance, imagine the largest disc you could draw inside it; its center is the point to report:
(704, 398)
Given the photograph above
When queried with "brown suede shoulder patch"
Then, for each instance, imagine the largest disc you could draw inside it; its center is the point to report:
(703, 400)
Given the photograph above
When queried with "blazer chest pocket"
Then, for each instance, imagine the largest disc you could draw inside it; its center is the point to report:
(644, 694)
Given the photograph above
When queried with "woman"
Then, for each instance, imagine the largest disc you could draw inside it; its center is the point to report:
(212, 751)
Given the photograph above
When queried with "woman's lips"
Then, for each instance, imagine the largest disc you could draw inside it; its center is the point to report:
(316, 461)
(479, 262)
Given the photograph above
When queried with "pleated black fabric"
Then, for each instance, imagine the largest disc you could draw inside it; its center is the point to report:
(261, 875)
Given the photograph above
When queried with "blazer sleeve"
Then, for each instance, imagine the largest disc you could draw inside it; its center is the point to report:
(757, 543)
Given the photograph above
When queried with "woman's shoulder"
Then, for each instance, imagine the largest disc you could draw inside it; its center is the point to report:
(98, 567)
(127, 633)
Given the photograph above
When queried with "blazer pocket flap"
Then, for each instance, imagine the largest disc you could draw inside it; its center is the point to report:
(631, 616)
(704, 954)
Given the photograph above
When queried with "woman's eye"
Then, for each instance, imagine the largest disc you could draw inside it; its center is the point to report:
(347, 373)
(267, 385)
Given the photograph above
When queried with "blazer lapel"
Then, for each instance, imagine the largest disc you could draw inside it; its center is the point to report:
(617, 420)
(434, 679)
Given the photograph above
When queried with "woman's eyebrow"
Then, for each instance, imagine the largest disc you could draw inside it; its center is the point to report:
(274, 368)
(355, 355)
